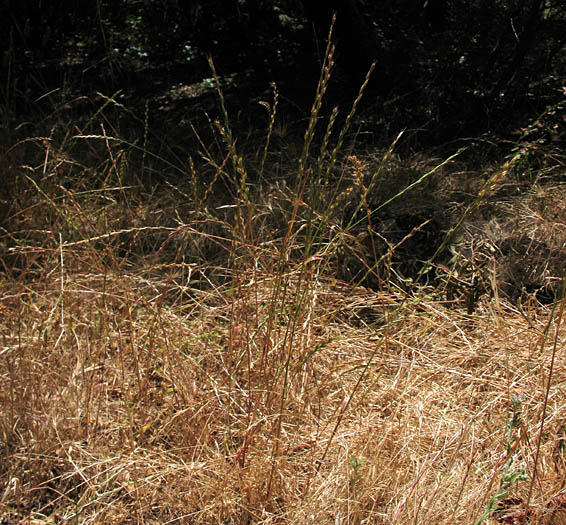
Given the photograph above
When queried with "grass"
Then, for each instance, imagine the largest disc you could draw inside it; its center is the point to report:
(192, 351)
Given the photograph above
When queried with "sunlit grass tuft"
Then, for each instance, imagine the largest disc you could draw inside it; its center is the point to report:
(192, 351)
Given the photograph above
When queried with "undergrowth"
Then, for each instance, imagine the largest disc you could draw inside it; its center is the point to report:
(334, 343)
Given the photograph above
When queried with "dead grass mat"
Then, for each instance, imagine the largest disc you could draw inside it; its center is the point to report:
(120, 404)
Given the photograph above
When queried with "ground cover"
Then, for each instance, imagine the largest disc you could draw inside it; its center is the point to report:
(297, 333)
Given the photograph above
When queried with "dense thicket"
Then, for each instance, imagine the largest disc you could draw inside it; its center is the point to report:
(452, 66)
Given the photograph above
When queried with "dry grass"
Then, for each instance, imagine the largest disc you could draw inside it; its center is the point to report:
(119, 408)
(191, 355)
(132, 395)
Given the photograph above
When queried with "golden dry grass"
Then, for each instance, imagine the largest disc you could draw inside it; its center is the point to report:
(193, 353)
(121, 403)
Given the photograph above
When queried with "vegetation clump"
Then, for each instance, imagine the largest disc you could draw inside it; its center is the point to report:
(284, 322)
